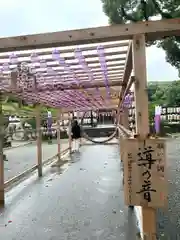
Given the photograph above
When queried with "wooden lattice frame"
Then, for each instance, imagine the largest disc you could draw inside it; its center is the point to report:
(118, 71)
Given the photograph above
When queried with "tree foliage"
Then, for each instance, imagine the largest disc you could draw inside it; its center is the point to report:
(124, 11)
(163, 94)
(173, 94)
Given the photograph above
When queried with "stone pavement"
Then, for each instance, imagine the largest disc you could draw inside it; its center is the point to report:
(168, 219)
(25, 157)
(86, 202)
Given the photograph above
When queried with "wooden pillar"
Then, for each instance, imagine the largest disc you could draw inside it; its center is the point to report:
(39, 140)
(69, 131)
(59, 134)
(142, 120)
(2, 194)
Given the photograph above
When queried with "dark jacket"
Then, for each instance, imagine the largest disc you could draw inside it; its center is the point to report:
(76, 130)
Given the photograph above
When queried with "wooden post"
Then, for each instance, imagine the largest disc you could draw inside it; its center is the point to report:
(59, 135)
(2, 194)
(69, 131)
(39, 139)
(142, 120)
(117, 118)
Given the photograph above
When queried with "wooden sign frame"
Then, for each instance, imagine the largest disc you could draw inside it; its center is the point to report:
(145, 174)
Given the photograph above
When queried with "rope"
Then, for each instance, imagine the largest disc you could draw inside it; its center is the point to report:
(122, 131)
(85, 135)
(118, 128)
(100, 142)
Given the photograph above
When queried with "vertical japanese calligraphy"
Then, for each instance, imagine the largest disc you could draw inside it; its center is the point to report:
(129, 176)
(160, 157)
(145, 172)
(146, 160)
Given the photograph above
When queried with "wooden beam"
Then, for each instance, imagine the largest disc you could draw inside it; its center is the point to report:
(114, 102)
(70, 109)
(113, 61)
(128, 67)
(63, 87)
(131, 81)
(127, 74)
(80, 72)
(72, 58)
(83, 72)
(103, 91)
(107, 46)
(142, 120)
(152, 30)
(81, 79)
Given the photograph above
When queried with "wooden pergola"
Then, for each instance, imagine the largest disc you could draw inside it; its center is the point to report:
(81, 78)
(84, 70)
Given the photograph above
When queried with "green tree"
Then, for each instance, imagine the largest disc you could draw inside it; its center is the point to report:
(151, 112)
(123, 11)
(157, 93)
(173, 94)
(151, 91)
(159, 97)
(165, 94)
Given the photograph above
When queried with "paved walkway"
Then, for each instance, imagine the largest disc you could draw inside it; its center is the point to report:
(25, 157)
(168, 220)
(84, 203)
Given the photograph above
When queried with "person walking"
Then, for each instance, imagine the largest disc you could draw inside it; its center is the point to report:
(76, 136)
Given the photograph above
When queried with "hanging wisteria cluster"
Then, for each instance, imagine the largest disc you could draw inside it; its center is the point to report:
(35, 81)
(128, 101)
(29, 81)
(82, 61)
(102, 61)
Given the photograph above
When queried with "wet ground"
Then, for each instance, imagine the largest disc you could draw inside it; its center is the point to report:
(168, 220)
(84, 203)
(24, 157)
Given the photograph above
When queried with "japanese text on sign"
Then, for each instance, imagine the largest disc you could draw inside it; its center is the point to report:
(144, 172)
(145, 159)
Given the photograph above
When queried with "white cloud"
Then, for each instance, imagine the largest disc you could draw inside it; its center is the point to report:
(26, 17)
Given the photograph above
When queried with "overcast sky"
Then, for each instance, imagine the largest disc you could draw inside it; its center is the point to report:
(19, 17)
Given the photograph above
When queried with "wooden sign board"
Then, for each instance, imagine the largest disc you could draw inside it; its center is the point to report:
(145, 177)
